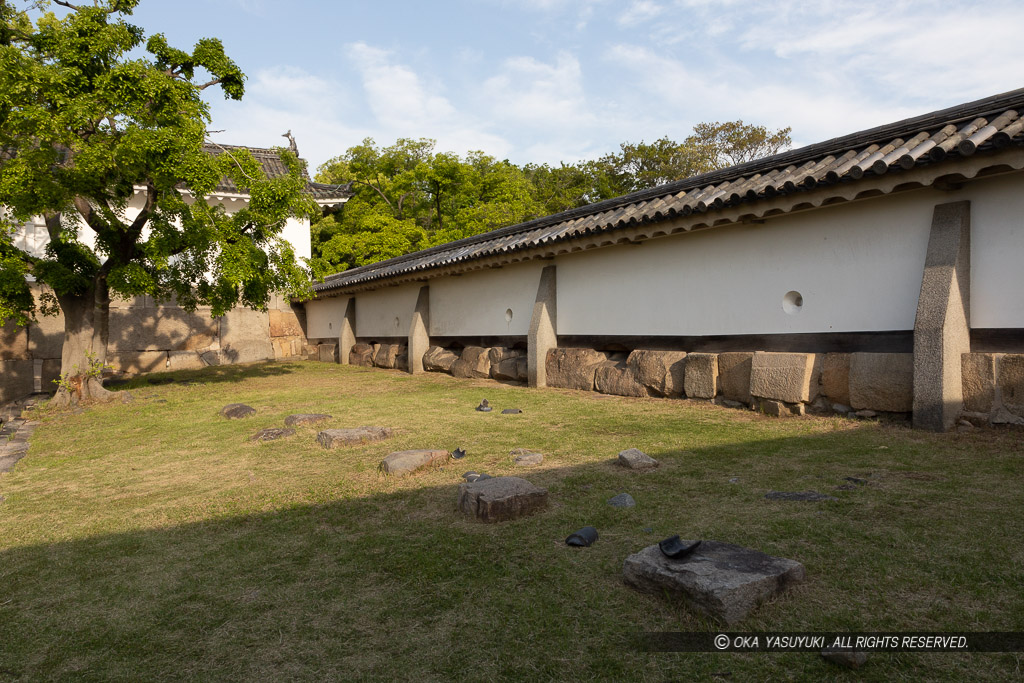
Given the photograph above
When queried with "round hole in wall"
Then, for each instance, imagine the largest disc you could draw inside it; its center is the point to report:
(398, 323)
(792, 302)
(508, 315)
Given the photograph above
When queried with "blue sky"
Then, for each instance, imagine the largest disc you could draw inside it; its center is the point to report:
(553, 80)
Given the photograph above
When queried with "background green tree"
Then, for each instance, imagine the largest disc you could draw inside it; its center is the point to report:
(408, 197)
(85, 124)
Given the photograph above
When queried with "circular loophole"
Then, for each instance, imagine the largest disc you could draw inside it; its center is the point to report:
(792, 302)
(508, 315)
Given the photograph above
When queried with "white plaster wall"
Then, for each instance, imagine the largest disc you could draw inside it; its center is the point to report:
(324, 316)
(386, 312)
(857, 266)
(478, 303)
(997, 250)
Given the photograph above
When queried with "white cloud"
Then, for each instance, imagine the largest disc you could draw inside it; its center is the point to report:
(531, 93)
(639, 11)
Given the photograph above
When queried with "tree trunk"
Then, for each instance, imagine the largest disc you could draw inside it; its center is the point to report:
(84, 354)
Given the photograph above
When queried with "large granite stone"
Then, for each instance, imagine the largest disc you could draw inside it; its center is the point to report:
(617, 381)
(1010, 381)
(662, 372)
(407, 462)
(573, 368)
(361, 354)
(439, 359)
(386, 356)
(284, 323)
(301, 419)
(511, 369)
(635, 459)
(500, 499)
(835, 377)
(185, 360)
(135, 362)
(13, 341)
(789, 377)
(882, 381)
(734, 375)
(723, 581)
(701, 380)
(475, 363)
(333, 438)
(326, 352)
(978, 372)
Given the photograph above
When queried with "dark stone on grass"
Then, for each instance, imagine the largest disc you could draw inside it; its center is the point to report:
(471, 475)
(484, 407)
(459, 454)
(855, 480)
(271, 434)
(511, 411)
(723, 581)
(333, 438)
(623, 500)
(847, 657)
(674, 547)
(800, 496)
(499, 499)
(635, 459)
(235, 411)
(301, 419)
(407, 462)
(584, 538)
(866, 414)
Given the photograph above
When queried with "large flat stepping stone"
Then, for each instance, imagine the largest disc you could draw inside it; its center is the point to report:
(635, 459)
(235, 411)
(301, 419)
(353, 436)
(407, 462)
(524, 457)
(272, 434)
(499, 499)
(723, 581)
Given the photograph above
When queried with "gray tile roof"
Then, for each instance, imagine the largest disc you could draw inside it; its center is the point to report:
(273, 167)
(941, 138)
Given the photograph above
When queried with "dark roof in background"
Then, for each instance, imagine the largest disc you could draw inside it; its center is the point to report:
(273, 167)
(934, 138)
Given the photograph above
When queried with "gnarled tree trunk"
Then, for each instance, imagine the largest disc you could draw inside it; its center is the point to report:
(86, 330)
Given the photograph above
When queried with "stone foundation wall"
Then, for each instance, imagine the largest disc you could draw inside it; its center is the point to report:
(146, 337)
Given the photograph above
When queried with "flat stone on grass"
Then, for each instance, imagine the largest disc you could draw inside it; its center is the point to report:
(500, 499)
(723, 581)
(623, 500)
(272, 434)
(524, 457)
(301, 419)
(801, 496)
(407, 462)
(235, 411)
(353, 436)
(635, 459)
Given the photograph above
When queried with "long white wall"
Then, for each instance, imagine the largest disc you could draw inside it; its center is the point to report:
(856, 267)
(493, 302)
(853, 267)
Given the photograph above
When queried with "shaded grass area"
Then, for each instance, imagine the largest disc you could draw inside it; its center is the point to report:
(152, 540)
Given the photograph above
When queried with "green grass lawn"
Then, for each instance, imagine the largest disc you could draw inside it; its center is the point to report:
(152, 540)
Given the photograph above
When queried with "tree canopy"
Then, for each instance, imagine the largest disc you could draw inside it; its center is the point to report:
(111, 150)
(409, 197)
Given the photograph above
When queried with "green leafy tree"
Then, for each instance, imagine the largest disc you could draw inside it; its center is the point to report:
(109, 147)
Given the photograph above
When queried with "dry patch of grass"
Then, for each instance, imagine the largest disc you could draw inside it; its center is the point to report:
(153, 540)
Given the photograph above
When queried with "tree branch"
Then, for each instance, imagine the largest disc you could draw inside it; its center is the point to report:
(204, 86)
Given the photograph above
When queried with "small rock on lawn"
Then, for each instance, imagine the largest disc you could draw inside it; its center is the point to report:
(845, 657)
(528, 459)
(635, 459)
(499, 499)
(301, 419)
(623, 500)
(511, 411)
(234, 411)
(332, 438)
(271, 434)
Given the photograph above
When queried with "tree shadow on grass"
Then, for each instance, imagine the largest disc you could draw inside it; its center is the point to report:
(398, 584)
